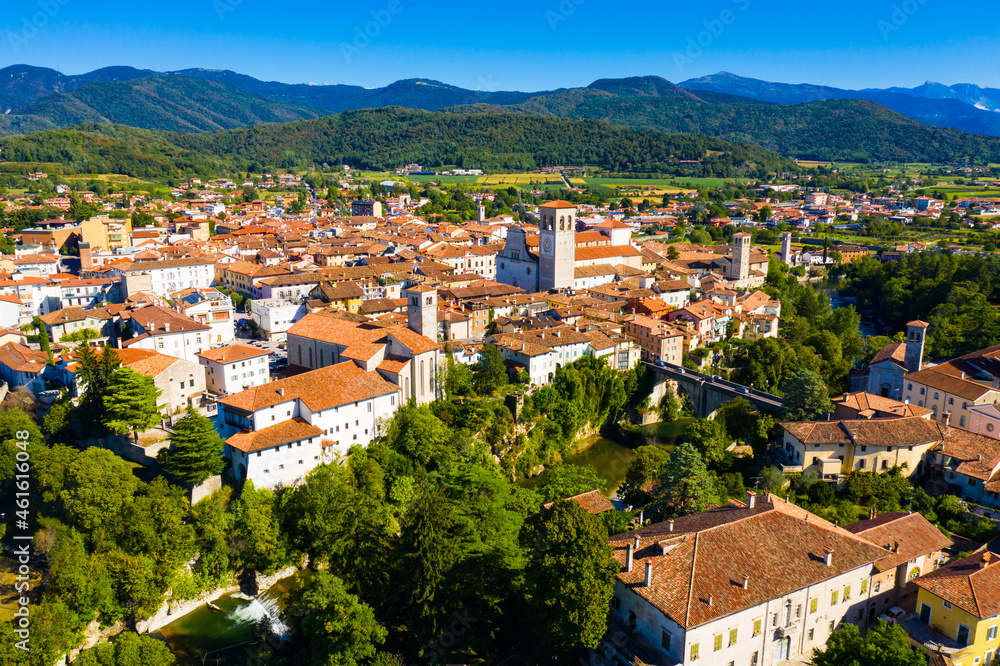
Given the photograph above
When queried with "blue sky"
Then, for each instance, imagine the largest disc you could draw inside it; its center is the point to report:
(516, 45)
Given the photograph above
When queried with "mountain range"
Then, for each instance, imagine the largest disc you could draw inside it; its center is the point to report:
(932, 122)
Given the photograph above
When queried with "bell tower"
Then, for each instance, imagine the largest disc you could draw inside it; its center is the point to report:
(557, 245)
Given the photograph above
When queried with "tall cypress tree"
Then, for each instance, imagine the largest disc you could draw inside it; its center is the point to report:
(195, 451)
(684, 485)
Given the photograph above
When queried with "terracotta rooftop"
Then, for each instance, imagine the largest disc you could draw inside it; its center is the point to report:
(231, 353)
(778, 545)
(285, 432)
(328, 387)
(904, 536)
(968, 584)
(594, 502)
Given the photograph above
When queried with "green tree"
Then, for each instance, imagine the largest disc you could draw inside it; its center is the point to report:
(684, 485)
(569, 576)
(130, 403)
(490, 374)
(772, 479)
(259, 543)
(806, 397)
(195, 451)
(43, 336)
(95, 488)
(81, 335)
(738, 418)
(644, 467)
(333, 626)
(566, 480)
(883, 644)
(709, 438)
(127, 649)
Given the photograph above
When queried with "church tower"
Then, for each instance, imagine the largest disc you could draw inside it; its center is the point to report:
(557, 245)
(916, 332)
(740, 268)
(422, 310)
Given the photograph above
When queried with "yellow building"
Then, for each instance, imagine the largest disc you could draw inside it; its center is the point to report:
(107, 232)
(958, 610)
(341, 295)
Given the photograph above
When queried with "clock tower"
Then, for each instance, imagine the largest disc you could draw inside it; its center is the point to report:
(557, 245)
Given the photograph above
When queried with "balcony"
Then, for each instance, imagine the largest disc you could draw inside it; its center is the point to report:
(932, 640)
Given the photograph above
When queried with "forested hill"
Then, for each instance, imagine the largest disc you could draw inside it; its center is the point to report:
(166, 103)
(387, 138)
(842, 130)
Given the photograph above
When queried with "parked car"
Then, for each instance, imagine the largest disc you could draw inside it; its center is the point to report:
(893, 616)
(661, 364)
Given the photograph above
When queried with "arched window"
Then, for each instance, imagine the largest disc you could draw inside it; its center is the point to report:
(562, 223)
(310, 357)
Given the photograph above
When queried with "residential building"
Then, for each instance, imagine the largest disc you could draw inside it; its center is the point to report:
(66, 322)
(165, 276)
(276, 433)
(958, 609)
(21, 366)
(658, 340)
(950, 390)
(209, 306)
(234, 368)
(864, 405)
(834, 449)
(755, 583)
(274, 316)
(366, 208)
(161, 329)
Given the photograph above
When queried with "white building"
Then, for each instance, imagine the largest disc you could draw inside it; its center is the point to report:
(234, 368)
(168, 276)
(274, 316)
(210, 306)
(278, 432)
(168, 332)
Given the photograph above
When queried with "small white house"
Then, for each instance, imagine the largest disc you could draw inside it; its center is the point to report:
(234, 368)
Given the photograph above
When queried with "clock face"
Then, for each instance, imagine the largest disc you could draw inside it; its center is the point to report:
(547, 245)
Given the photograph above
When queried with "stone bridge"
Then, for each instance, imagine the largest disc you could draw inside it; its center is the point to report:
(708, 393)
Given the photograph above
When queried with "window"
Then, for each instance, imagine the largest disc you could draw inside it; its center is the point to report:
(813, 605)
(864, 586)
(961, 422)
(991, 634)
(694, 652)
(774, 620)
(732, 636)
(947, 604)
(922, 390)
(665, 639)
(756, 627)
(864, 448)
(616, 603)
(833, 625)
(753, 659)
(718, 642)
(936, 395)
(962, 635)
(847, 593)
(833, 597)
(811, 634)
(878, 586)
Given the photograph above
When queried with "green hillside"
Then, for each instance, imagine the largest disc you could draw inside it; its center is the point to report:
(386, 139)
(166, 103)
(841, 130)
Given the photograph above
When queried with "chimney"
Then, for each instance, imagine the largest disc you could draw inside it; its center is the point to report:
(961, 375)
(649, 573)
(828, 556)
(628, 558)
(670, 525)
(786, 498)
(947, 418)
(895, 546)
(281, 391)
(166, 326)
(751, 499)
(746, 582)
(985, 562)
(872, 513)
(711, 600)
(635, 542)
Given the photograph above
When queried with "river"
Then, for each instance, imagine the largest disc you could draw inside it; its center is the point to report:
(210, 631)
(610, 458)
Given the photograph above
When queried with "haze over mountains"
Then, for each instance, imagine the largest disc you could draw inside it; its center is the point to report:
(796, 120)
